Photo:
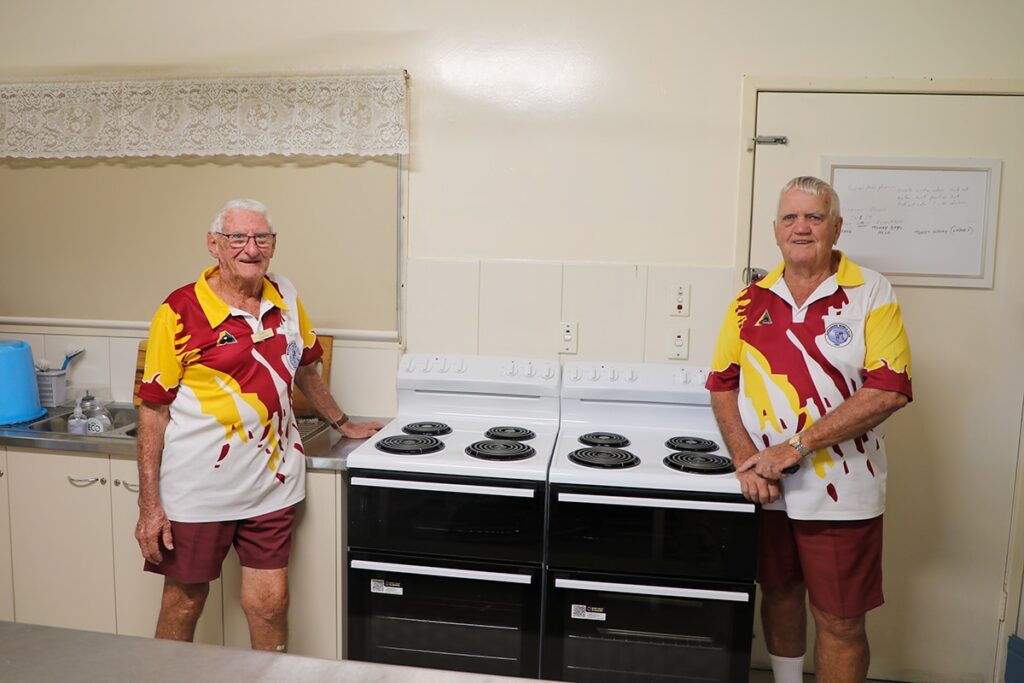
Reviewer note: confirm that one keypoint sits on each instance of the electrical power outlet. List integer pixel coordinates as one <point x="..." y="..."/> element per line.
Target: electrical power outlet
<point x="679" y="303"/>
<point x="569" y="336"/>
<point x="679" y="344"/>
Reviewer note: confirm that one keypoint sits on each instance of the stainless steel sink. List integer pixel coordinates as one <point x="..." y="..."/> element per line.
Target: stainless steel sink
<point x="123" y="416"/>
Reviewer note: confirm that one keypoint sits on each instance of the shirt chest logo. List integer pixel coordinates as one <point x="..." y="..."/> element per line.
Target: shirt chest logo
<point x="294" y="354"/>
<point x="765" y="319"/>
<point x="838" y="334"/>
<point x="226" y="338"/>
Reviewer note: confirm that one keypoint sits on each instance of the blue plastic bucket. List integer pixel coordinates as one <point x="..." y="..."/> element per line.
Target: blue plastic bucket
<point x="19" y="395"/>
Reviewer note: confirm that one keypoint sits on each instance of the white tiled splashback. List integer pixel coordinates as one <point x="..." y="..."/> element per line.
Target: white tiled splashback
<point x="512" y="308"/>
<point x="106" y="366"/>
<point x="362" y="379"/>
<point x="516" y="308"/>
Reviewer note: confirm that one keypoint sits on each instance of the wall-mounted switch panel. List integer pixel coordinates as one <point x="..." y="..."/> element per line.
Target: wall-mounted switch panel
<point x="679" y="304"/>
<point x="570" y="333"/>
<point x="679" y="344"/>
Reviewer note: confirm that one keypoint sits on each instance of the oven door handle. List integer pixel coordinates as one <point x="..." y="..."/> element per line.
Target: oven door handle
<point x="447" y="488"/>
<point x="641" y="589"/>
<point x="633" y="501"/>
<point x="445" y="572"/>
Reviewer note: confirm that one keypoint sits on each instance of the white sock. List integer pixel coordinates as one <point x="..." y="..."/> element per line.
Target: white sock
<point x="787" y="669"/>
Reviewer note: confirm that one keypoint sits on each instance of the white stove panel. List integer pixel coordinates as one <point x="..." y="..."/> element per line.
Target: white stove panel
<point x="651" y="473"/>
<point x="453" y="460"/>
<point x="647" y="403"/>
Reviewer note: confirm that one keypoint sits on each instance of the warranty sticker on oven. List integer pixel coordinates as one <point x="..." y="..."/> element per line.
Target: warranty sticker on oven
<point x="385" y="587"/>
<point x="585" y="612"/>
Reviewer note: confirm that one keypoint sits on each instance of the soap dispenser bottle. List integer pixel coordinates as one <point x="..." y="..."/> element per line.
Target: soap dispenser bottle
<point x="97" y="418"/>
<point x="76" y="423"/>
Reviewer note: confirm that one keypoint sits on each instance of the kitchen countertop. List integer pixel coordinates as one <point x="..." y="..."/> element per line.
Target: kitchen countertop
<point x="37" y="654"/>
<point x="327" y="450"/>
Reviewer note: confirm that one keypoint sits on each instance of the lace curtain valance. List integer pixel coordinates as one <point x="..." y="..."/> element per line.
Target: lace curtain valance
<point x="290" y="115"/>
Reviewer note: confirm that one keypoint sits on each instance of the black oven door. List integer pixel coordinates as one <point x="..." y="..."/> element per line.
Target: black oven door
<point x="711" y="536"/>
<point x="476" y="617"/>
<point x="472" y="518"/>
<point x="608" y="628"/>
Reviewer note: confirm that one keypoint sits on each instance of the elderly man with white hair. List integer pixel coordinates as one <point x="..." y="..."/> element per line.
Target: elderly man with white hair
<point x="809" y="362"/>
<point x="219" y="454"/>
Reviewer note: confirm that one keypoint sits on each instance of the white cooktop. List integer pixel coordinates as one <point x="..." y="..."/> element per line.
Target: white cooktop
<point x="470" y="394"/>
<point x="648" y="403"/>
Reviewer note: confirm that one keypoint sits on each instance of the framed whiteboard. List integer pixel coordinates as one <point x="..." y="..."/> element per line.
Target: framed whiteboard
<point x="929" y="222"/>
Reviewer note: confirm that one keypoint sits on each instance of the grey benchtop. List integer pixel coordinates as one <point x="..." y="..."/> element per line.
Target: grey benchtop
<point x="327" y="450"/>
<point x="38" y="654"/>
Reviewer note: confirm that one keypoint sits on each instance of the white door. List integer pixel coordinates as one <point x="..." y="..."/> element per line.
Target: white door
<point x="953" y="451"/>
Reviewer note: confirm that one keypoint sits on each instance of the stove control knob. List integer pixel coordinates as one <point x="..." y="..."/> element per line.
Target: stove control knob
<point x="631" y="376"/>
<point x="702" y="376"/>
<point x="510" y="369"/>
<point x="682" y="377"/>
<point x="595" y="373"/>
<point x="575" y="374"/>
<point x="530" y="370"/>
<point x="612" y="374"/>
<point x="409" y="364"/>
<point x="427" y="364"/>
<point x="444" y="365"/>
<point x="549" y="372"/>
<point x="460" y="366"/>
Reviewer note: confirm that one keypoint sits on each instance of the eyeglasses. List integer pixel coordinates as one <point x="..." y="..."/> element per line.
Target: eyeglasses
<point x="239" y="240"/>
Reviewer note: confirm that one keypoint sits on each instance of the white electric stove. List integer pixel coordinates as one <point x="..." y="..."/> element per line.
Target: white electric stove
<point x="640" y="425"/>
<point x="651" y="547"/>
<point x="446" y="512"/>
<point x="476" y="416"/>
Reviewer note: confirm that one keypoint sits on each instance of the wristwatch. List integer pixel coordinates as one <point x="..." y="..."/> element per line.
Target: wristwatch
<point x="796" y="443"/>
<point x="337" y="423"/>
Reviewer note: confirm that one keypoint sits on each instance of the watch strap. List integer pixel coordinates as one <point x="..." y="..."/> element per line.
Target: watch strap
<point x="796" y="443"/>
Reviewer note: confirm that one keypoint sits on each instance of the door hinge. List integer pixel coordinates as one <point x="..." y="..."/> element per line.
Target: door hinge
<point x="771" y="140"/>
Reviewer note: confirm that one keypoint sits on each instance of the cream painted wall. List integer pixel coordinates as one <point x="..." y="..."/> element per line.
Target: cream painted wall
<point x="570" y="131"/>
<point x="582" y="129"/>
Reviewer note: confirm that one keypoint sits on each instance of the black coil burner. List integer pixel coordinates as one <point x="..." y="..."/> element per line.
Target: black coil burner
<point x="509" y="433"/>
<point x="414" y="444"/>
<point x="427" y="428"/>
<point x="699" y="463"/>
<point x="604" y="458"/>
<point x="500" y="450"/>
<point x="607" y="439"/>
<point x="691" y="443"/>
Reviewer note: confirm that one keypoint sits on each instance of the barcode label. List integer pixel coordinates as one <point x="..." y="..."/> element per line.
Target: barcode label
<point x="385" y="587"/>
<point x="585" y="612"/>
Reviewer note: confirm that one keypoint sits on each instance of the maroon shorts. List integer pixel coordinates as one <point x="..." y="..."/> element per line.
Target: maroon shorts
<point x="840" y="562"/>
<point x="262" y="542"/>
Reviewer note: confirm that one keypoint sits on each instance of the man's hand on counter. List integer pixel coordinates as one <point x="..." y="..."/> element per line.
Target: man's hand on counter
<point x="360" y="430"/>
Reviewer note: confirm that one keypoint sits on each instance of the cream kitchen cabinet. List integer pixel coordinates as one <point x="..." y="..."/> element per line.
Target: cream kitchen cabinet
<point x="136" y="592"/>
<point x="314" y="571"/>
<point x="75" y="560"/>
<point x="61" y="541"/>
<point x="6" y="584"/>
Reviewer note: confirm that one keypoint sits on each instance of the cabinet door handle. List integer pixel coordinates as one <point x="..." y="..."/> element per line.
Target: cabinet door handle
<point x="81" y="483"/>
<point x="134" y="488"/>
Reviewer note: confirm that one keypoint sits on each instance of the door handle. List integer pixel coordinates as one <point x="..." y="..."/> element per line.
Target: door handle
<point x="633" y="501"/>
<point x="443" y="572"/>
<point x="642" y="589"/>
<point x="447" y="488"/>
<point x="82" y="483"/>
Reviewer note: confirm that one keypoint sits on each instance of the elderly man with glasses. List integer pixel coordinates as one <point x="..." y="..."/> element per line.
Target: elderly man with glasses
<point x="219" y="454"/>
